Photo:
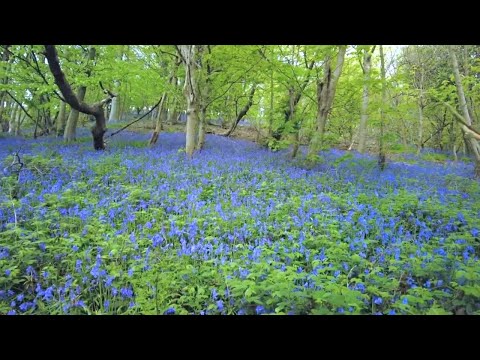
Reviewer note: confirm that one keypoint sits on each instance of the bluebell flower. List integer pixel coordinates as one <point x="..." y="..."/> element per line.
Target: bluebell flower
<point x="405" y="300"/>
<point x="126" y="292"/>
<point x="220" y="305"/>
<point x="11" y="312"/>
<point x="377" y="300"/>
<point x="30" y="271"/>
<point x="106" y="304"/>
<point x="259" y="310"/>
<point x="78" y="265"/>
<point x="169" y="311"/>
<point x="8" y="272"/>
<point x="4" y="253"/>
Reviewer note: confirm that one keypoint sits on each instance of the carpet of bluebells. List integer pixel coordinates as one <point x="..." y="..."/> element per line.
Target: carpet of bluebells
<point x="236" y="230"/>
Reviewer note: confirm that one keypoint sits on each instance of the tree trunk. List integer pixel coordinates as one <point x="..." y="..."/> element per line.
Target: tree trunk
<point x="4" y="81"/>
<point x="70" y="133"/>
<point x="99" y="130"/>
<point x="201" y="129"/>
<point x="71" y="127"/>
<point x="13" y="116"/>
<point x="3" y="119"/>
<point x="16" y="123"/>
<point x="420" y="122"/>
<point x="97" y="109"/>
<point x="381" y="152"/>
<point x="61" y="118"/>
<point x="270" y="118"/>
<point x="243" y="112"/>
<point x="191" y="96"/>
<point x="115" y="109"/>
<point x="473" y="143"/>
<point x="362" y="131"/>
<point x="161" y="108"/>
<point x="325" y="95"/>
<point x="158" y="126"/>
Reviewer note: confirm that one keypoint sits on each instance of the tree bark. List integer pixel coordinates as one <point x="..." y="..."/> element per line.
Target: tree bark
<point x="158" y="126"/>
<point x="13" y="116"/>
<point x="362" y="131"/>
<point x="70" y="133"/>
<point x="61" y="118"/>
<point x="243" y="112"/>
<point x="270" y="118"/>
<point x="201" y="128"/>
<point x="71" y="127"/>
<point x="473" y="143"/>
<point x="420" y="120"/>
<point x="96" y="109"/>
<point x="160" y="109"/>
<point x="115" y="109"/>
<point x="190" y="89"/>
<point x="4" y="81"/>
<point x="381" y="152"/>
<point x="326" y="89"/>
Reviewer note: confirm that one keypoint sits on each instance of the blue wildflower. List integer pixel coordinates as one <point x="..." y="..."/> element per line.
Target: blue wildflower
<point x="169" y="311"/>
<point x="377" y="300"/>
<point x="260" y="310"/>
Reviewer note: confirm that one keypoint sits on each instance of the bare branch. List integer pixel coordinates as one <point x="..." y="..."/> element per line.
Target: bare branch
<point x="136" y="120"/>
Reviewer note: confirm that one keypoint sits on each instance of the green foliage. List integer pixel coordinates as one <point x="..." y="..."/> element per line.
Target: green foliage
<point x="435" y="157"/>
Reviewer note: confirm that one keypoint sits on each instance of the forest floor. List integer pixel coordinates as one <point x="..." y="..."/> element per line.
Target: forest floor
<point x="238" y="229"/>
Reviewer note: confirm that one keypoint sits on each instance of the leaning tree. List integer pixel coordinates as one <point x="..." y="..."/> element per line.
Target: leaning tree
<point x="96" y="109"/>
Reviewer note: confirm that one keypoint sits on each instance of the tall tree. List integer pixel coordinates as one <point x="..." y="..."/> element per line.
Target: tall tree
<point x="381" y="151"/>
<point x="469" y="135"/>
<point x="366" y="67"/>
<point x="71" y="126"/>
<point x="115" y="109"/>
<point x="96" y="109"/>
<point x="326" y="88"/>
<point x="188" y="55"/>
<point x="61" y="118"/>
<point x="4" y="65"/>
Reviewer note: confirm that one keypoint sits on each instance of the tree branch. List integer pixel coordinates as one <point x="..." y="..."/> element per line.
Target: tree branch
<point x="20" y="104"/>
<point x="65" y="88"/>
<point x="461" y="120"/>
<point x="136" y="120"/>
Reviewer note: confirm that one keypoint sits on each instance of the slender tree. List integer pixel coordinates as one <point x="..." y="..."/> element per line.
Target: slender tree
<point x="326" y="88"/>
